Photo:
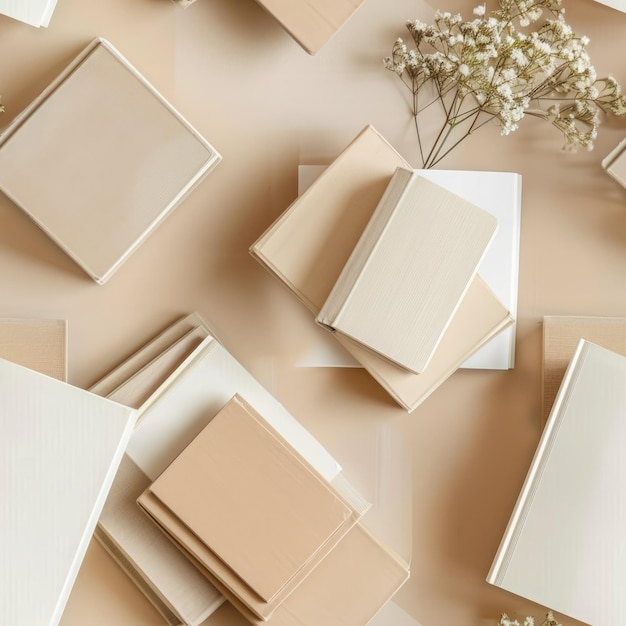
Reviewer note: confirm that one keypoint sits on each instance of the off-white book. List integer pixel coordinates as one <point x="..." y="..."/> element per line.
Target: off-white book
<point x="60" y="447"/>
<point x="615" y="162"/>
<point x="33" y="12"/>
<point x="409" y="271"/>
<point x="619" y="5"/>
<point x="561" y="334"/>
<point x="97" y="206"/>
<point x="37" y="344"/>
<point x="565" y="539"/>
<point x="311" y="22"/>
<point x="308" y="245"/>
<point x="499" y="193"/>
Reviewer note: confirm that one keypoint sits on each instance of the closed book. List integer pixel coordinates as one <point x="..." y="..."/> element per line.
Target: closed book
<point x="565" y="539"/>
<point x="409" y="270"/>
<point x="561" y="334"/>
<point x="311" y="22"/>
<point x="38" y="344"/>
<point x="615" y="162"/>
<point x="34" y="12"/>
<point x="111" y="156"/>
<point x="60" y="447"/>
<point x="309" y="244"/>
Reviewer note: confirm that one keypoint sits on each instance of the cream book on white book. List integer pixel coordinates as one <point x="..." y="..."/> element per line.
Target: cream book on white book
<point x="60" y="447"/>
<point x="564" y="545"/>
<point x="409" y="271"/>
<point x="34" y="12"/>
<point x="499" y="193"/>
<point x="97" y="206"/>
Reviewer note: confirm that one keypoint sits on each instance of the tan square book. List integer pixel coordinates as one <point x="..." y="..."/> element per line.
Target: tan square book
<point x="311" y="22"/>
<point x="409" y="270"/>
<point x="40" y="345"/>
<point x="277" y="518"/>
<point x="615" y="163"/>
<point x="561" y="334"/>
<point x="111" y="156"/>
<point x="310" y="243"/>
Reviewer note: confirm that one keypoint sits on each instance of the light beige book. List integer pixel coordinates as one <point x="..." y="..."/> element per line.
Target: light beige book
<point x="561" y="334"/>
<point x="615" y="162"/>
<point x="409" y="270"/>
<point x="112" y="159"/>
<point x="565" y="539"/>
<point x="277" y="518"/>
<point x="311" y="22"/>
<point x="309" y="244"/>
<point x="37" y="344"/>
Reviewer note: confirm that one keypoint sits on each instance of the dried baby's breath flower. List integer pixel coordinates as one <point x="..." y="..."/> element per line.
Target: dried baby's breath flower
<point x="528" y="621"/>
<point x="495" y="67"/>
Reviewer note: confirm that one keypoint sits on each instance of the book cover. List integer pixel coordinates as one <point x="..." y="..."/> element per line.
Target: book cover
<point x="308" y="245"/>
<point x="499" y="193"/>
<point x="564" y="539"/>
<point x="34" y="12"/>
<point x="561" y="334"/>
<point x="615" y="162"/>
<point x="37" y="344"/>
<point x="409" y="271"/>
<point x="60" y="447"/>
<point x="97" y="206"/>
<point x="311" y="22"/>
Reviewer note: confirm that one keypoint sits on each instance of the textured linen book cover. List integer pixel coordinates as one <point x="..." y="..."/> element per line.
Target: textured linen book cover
<point x="311" y="22"/>
<point x="33" y="12"/>
<point x="499" y="193"/>
<point x="60" y="447"/>
<point x="308" y="245"/>
<point x="37" y="344"/>
<point x="409" y="270"/>
<point x="561" y="334"/>
<point x="97" y="206"/>
<point x="565" y="540"/>
<point x="277" y="518"/>
<point x="615" y="162"/>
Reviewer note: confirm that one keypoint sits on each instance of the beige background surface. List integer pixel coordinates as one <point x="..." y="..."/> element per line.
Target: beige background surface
<point x="266" y="106"/>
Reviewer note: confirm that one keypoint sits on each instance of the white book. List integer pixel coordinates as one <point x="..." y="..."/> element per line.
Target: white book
<point x="60" y="447"/>
<point x="499" y="193"/>
<point x="564" y="545"/>
<point x="111" y="156"/>
<point x="409" y="271"/>
<point x="33" y="12"/>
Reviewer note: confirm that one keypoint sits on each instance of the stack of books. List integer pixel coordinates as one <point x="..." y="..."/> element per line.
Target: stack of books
<point x="388" y="259"/>
<point x="615" y="162"/>
<point x="564" y="542"/>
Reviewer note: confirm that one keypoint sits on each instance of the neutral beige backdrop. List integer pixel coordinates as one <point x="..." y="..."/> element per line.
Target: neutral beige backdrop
<point x="267" y="106"/>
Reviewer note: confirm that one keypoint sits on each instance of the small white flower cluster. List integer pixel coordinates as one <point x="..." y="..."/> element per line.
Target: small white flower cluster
<point x="494" y="66"/>
<point x="529" y="621"/>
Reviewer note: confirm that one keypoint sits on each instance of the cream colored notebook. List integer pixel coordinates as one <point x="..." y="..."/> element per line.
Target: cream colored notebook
<point x="277" y="518"/>
<point x="561" y="335"/>
<point x="309" y="244"/>
<point x="34" y="12"/>
<point x="37" y="344"/>
<point x="112" y="159"/>
<point x="564" y="544"/>
<point x="409" y="270"/>
<point x="615" y="162"/>
<point x="311" y="22"/>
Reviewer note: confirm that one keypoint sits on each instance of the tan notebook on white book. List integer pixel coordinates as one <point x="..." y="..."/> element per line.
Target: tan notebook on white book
<point x="111" y="156"/>
<point x="564" y="545"/>
<point x="309" y="244"/>
<point x="409" y="271"/>
<point x="561" y="334"/>
<point x="615" y="162"/>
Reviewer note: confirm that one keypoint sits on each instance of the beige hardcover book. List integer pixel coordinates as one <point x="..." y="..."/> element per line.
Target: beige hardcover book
<point x="561" y="334"/>
<point x="409" y="270"/>
<point x="615" y="163"/>
<point x="309" y="244"/>
<point x="37" y="344"/>
<point x="311" y="22"/>
<point x="565" y="539"/>
<point x="277" y="517"/>
<point x="112" y="159"/>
